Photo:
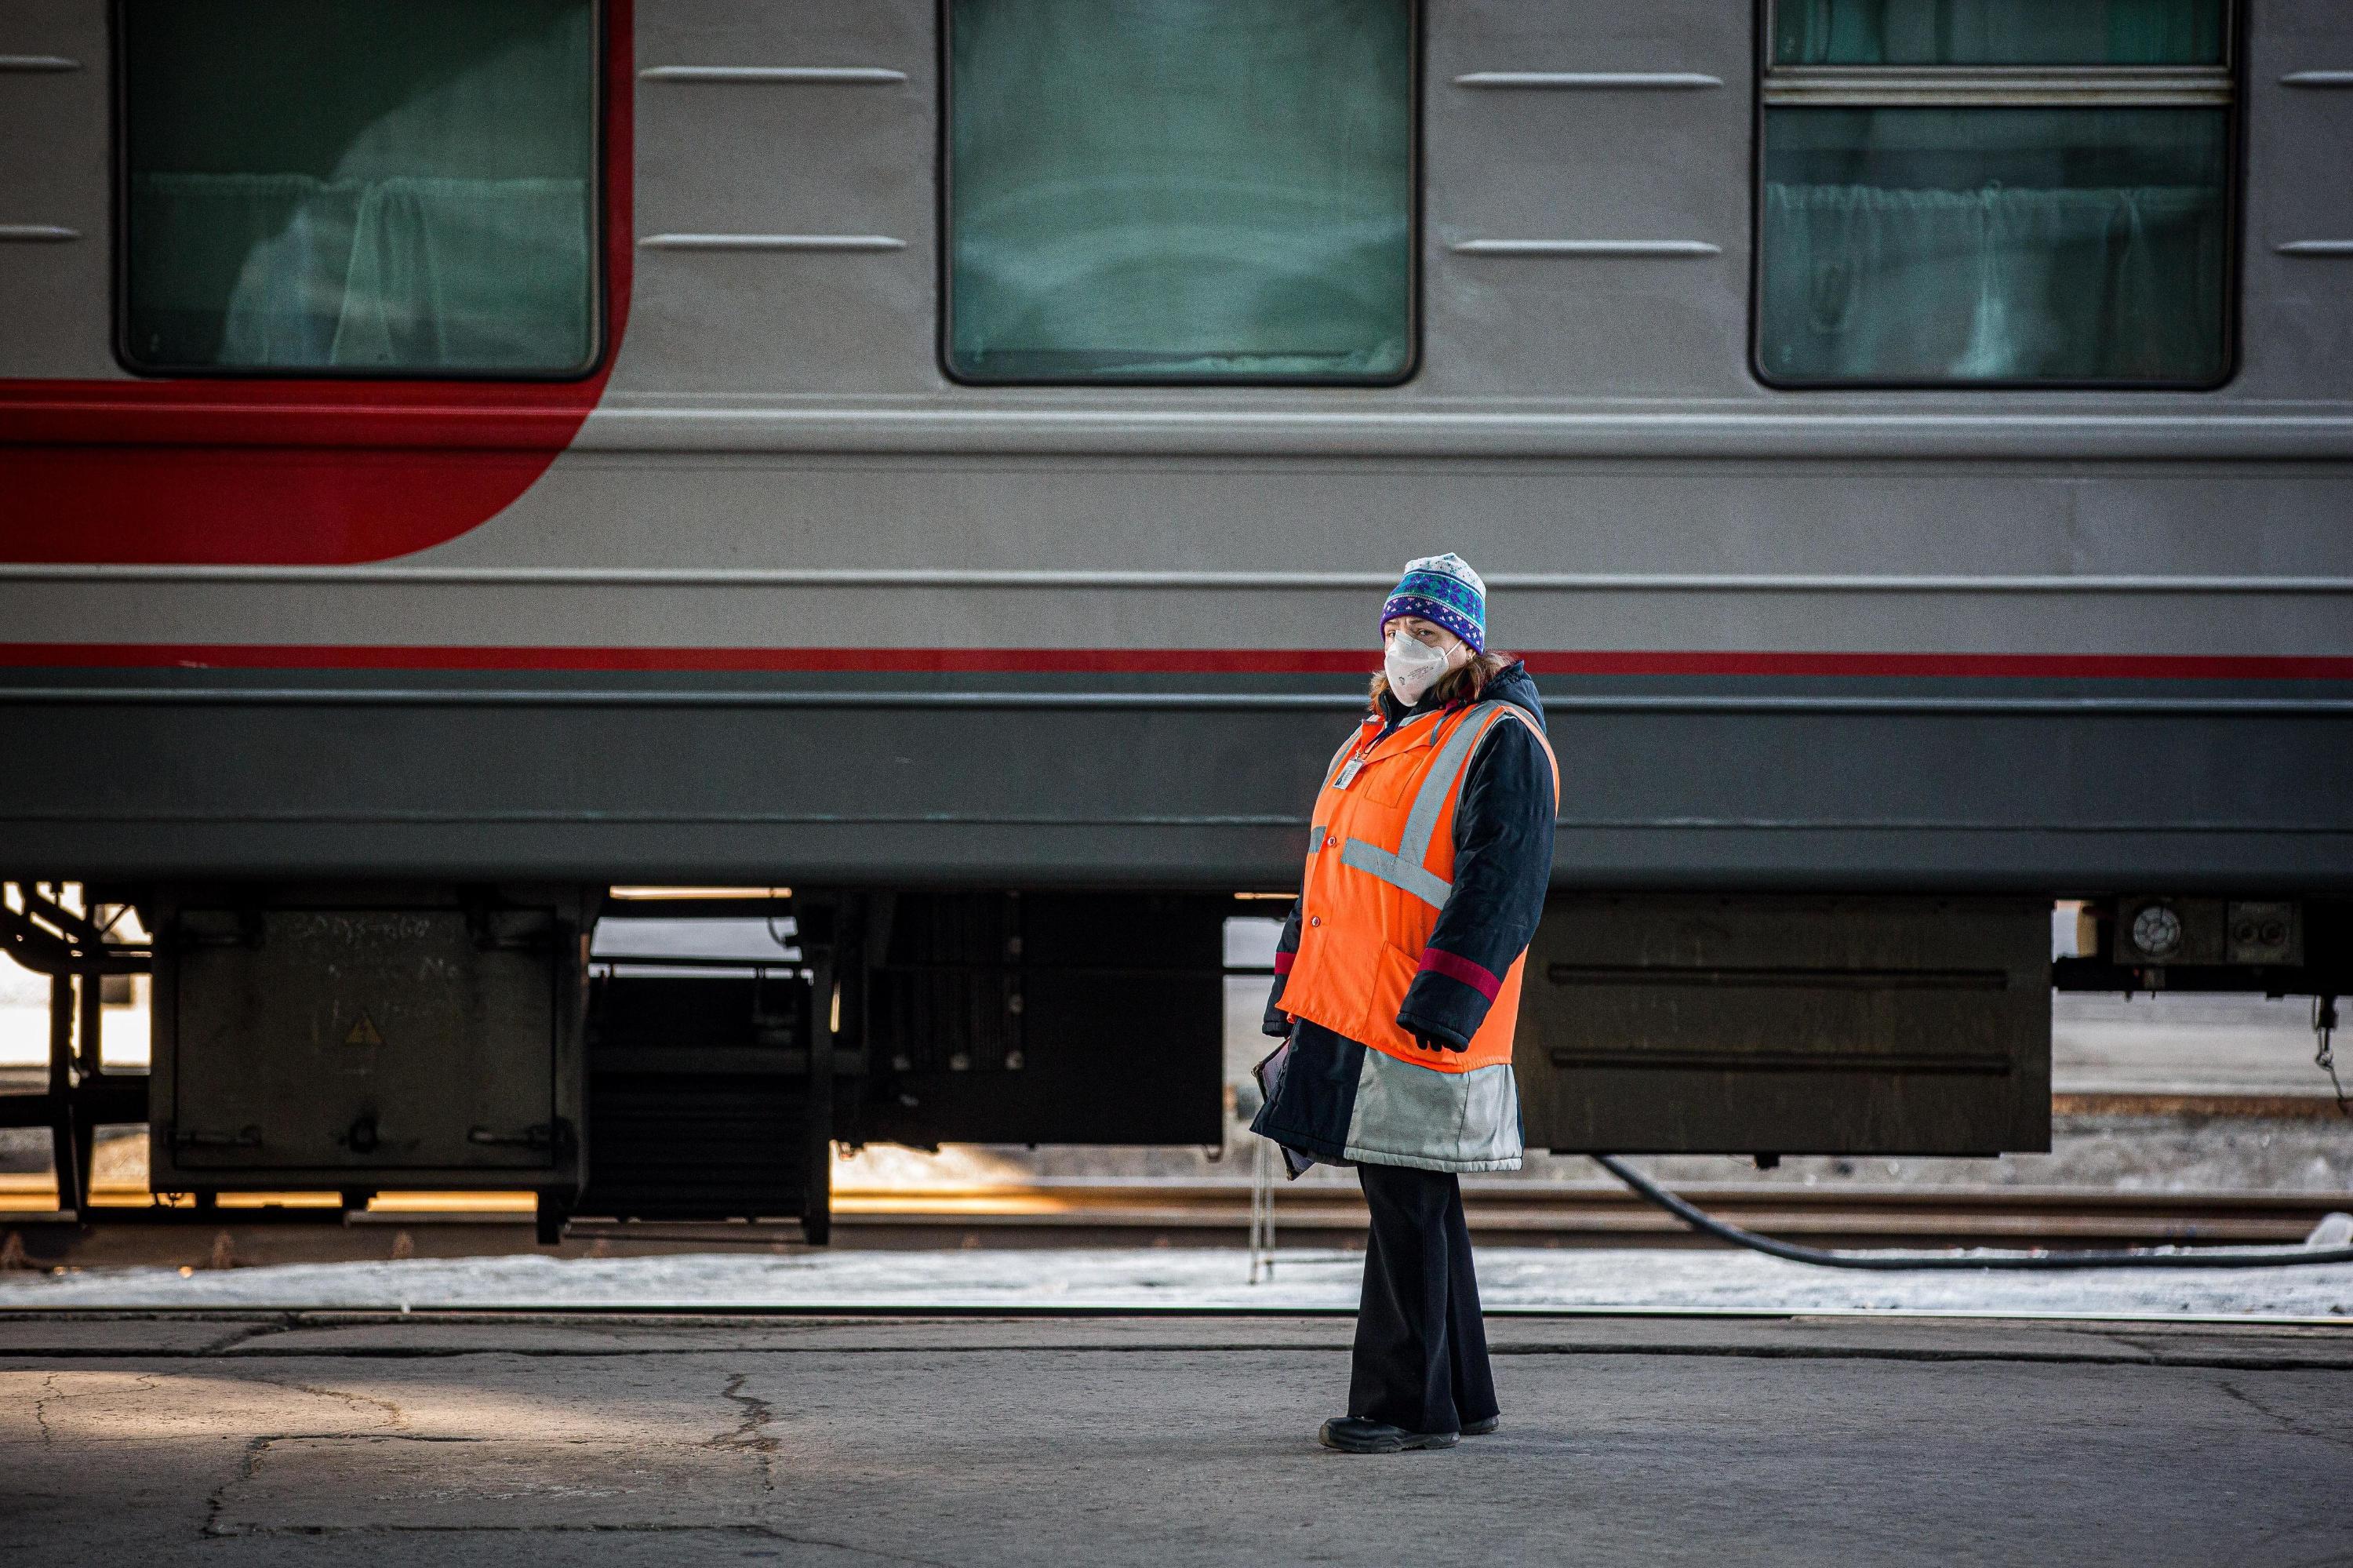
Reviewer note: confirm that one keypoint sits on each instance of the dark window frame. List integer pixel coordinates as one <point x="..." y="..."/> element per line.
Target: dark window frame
<point x="2232" y="71"/>
<point x="944" y="225"/>
<point x="600" y="44"/>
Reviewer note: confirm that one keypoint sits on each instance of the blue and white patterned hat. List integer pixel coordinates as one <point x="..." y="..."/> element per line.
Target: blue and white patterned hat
<point x="1445" y="589"/>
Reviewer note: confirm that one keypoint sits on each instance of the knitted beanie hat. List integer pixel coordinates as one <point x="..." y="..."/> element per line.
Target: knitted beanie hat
<point x="1445" y="589"/>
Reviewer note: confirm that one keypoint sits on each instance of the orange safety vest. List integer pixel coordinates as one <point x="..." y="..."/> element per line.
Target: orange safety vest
<point x="1380" y="865"/>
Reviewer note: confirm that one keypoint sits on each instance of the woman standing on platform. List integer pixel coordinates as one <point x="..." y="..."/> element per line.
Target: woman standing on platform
<point x="1396" y="987"/>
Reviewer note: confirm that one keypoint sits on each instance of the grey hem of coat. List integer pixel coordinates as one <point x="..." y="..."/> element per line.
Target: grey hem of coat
<point x="1408" y="1114"/>
<point x="1422" y="1162"/>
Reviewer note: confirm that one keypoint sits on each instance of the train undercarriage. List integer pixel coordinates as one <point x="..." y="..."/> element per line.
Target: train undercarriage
<point x="591" y="1045"/>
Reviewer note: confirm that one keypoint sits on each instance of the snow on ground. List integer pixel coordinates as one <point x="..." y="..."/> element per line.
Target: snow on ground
<point x="1511" y="1279"/>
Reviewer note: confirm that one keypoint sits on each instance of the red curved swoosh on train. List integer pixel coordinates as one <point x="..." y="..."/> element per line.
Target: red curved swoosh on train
<point x="318" y="472"/>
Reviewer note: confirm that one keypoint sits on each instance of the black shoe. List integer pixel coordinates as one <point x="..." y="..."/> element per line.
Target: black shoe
<point x="1355" y="1434"/>
<point x="1481" y="1428"/>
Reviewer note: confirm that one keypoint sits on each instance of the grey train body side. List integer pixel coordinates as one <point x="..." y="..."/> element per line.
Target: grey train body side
<point x="780" y="461"/>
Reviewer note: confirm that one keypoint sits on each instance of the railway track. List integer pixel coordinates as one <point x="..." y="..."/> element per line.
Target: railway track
<point x="306" y="1228"/>
<point x="126" y="1227"/>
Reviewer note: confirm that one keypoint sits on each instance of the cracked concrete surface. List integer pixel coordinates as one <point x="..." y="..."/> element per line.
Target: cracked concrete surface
<point x="2340" y="1436"/>
<point x="1166" y="1442"/>
<point x="41" y="1410"/>
<point x="399" y="1416"/>
<point x="751" y="1434"/>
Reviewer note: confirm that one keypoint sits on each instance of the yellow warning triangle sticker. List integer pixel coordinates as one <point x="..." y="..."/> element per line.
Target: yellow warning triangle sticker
<point x="365" y="1032"/>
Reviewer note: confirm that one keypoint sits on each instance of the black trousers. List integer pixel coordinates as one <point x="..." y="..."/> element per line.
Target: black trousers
<point x="1422" y="1350"/>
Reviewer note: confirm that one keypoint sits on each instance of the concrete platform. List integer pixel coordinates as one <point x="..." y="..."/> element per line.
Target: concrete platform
<point x="519" y="1439"/>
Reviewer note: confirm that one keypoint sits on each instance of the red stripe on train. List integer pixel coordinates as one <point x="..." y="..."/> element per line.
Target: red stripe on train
<point x="231" y="471"/>
<point x="1155" y="660"/>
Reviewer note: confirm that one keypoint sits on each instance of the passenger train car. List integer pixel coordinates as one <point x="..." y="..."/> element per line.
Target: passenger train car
<point x="934" y="466"/>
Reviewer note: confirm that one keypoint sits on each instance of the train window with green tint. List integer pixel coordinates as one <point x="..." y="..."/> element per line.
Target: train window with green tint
<point x="1180" y="190"/>
<point x="366" y="187"/>
<point x="1997" y="193"/>
<point x="1998" y="32"/>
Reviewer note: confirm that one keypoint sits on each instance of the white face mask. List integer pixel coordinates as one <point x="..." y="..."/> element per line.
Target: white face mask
<point x="1412" y="667"/>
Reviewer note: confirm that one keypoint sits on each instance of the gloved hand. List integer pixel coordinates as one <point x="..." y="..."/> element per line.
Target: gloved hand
<point x="1437" y="1042"/>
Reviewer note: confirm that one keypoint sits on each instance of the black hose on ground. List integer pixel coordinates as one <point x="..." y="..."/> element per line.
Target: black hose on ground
<point x="2137" y="1258"/>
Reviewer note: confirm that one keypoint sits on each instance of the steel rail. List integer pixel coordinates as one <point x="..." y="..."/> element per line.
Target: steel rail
<point x="1118" y="1213"/>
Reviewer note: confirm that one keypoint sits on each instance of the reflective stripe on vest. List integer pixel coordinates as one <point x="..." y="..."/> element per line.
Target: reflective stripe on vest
<point x="1346" y="767"/>
<point x="1340" y="760"/>
<point x="1403" y="867"/>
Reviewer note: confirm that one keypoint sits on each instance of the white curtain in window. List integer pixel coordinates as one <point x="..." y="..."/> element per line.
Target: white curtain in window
<point x="401" y="272"/>
<point x="2096" y="285"/>
<point x="451" y="234"/>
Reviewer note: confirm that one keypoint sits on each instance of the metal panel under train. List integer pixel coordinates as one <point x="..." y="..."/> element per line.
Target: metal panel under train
<point x="364" y="1040"/>
<point x="1036" y="1017"/>
<point x="1831" y="1025"/>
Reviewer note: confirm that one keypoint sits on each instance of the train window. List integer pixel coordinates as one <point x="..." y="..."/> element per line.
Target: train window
<point x="1996" y="192"/>
<point x="1221" y="190"/>
<point x="1998" y="32"/>
<point x="390" y="187"/>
